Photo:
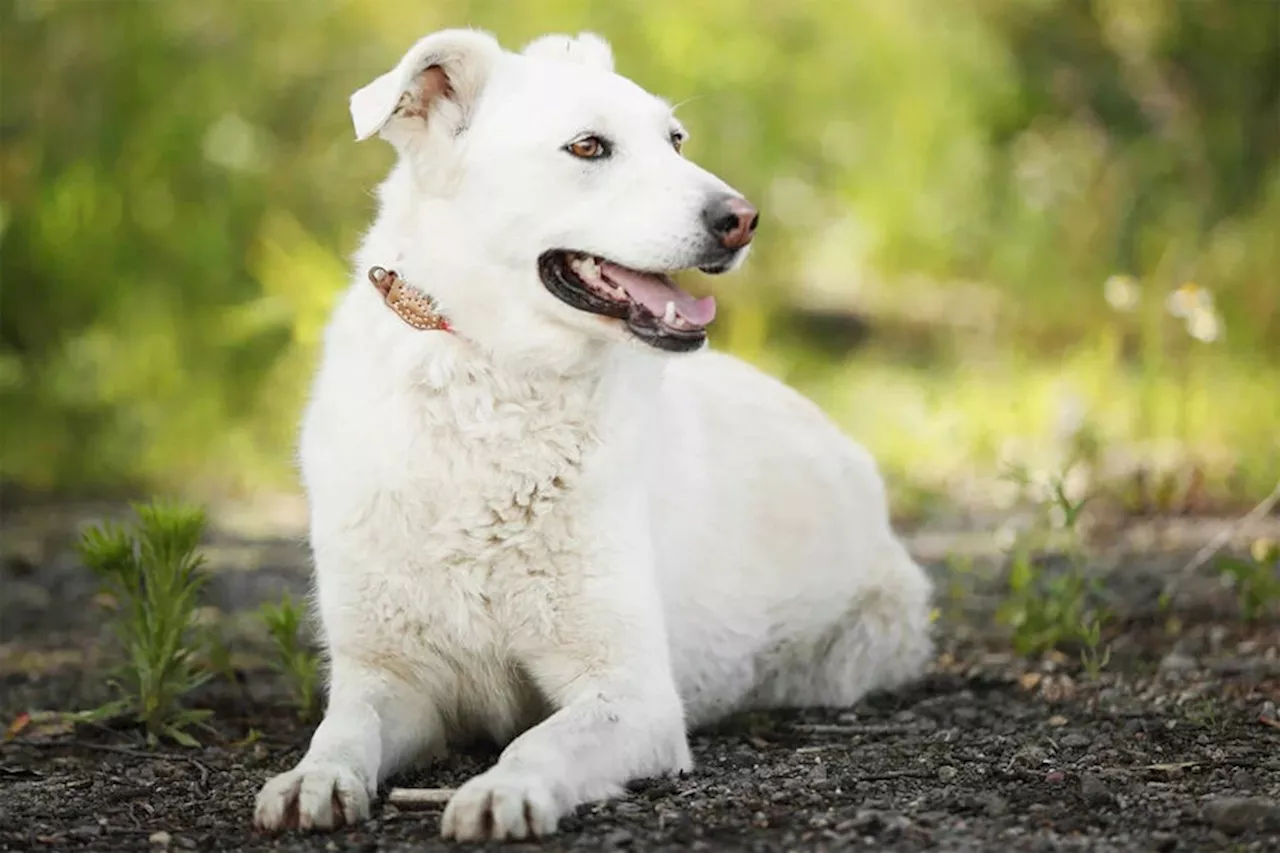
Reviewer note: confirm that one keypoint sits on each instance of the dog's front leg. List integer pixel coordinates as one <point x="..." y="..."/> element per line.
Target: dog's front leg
<point x="373" y="725"/>
<point x="619" y="718"/>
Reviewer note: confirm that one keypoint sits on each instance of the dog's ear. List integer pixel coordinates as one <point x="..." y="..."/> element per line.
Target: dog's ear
<point x="586" y="49"/>
<point x="440" y="78"/>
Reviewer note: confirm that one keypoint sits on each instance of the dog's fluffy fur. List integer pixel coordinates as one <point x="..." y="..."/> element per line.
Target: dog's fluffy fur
<point x="538" y="529"/>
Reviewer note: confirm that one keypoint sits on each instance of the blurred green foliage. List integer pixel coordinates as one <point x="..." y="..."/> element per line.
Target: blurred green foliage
<point x="181" y="190"/>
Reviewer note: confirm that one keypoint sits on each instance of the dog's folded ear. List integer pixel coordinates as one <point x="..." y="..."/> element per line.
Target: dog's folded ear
<point x="439" y="78"/>
<point x="586" y="49"/>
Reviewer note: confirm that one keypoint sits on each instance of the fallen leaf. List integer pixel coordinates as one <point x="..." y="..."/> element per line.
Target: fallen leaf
<point x="19" y="723"/>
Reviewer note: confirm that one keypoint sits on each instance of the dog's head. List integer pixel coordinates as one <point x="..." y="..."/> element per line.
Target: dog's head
<point x="550" y="191"/>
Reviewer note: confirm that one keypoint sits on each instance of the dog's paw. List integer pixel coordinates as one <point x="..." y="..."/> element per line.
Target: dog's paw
<point x="319" y="796"/>
<point x="499" y="805"/>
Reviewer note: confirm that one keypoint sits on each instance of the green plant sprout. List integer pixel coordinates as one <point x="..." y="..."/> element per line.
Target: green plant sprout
<point x="153" y="571"/>
<point x="294" y="659"/>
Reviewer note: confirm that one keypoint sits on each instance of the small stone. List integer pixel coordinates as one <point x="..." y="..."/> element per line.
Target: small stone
<point x="1075" y="740"/>
<point x="1057" y="721"/>
<point x="869" y="822"/>
<point x="1241" y="780"/>
<point x="160" y="839"/>
<point x="1094" y="791"/>
<point x="946" y="773"/>
<point x="1177" y="662"/>
<point x="1237" y="815"/>
<point x="995" y="805"/>
<point x="618" y="838"/>
<point x="1267" y="713"/>
<point x="1054" y="777"/>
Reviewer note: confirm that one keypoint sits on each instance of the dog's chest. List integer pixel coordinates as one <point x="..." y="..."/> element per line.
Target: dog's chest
<point x="466" y="506"/>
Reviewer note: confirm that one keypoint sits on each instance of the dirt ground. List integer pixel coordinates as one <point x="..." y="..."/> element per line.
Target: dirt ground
<point x="1176" y="747"/>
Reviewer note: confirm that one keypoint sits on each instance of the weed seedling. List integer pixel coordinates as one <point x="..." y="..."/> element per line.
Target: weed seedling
<point x="1256" y="579"/>
<point x="294" y="660"/>
<point x="1048" y="611"/>
<point x="153" y="572"/>
<point x="1093" y="661"/>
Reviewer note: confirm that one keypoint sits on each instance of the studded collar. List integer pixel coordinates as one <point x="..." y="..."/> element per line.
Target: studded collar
<point x="408" y="303"/>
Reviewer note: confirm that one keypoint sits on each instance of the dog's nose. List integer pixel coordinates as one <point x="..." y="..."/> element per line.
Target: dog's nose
<point x="732" y="219"/>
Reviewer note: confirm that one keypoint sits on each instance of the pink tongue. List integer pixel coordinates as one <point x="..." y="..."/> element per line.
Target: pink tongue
<point x="655" y="291"/>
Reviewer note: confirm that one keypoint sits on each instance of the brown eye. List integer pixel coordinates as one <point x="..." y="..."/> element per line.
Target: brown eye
<point x="677" y="142"/>
<point x="588" y="148"/>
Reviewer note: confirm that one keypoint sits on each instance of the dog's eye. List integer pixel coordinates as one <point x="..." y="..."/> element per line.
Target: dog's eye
<point x="677" y="141"/>
<point x="588" y="148"/>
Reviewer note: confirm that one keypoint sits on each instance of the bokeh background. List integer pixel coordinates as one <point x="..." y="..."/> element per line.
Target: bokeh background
<point x="995" y="231"/>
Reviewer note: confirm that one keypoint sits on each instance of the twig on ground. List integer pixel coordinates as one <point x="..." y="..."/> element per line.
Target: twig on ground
<point x="412" y="798"/>
<point x="849" y="729"/>
<point x="892" y="774"/>
<point x="1224" y="536"/>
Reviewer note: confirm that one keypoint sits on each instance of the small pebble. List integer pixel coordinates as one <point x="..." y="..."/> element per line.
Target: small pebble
<point x="1075" y="740"/>
<point x="1177" y="662"/>
<point x="869" y="822"/>
<point x="946" y="773"/>
<point x="1267" y="711"/>
<point x="160" y="839"/>
<point x="995" y="805"/>
<point x="1093" y="790"/>
<point x="1241" y="780"/>
<point x="618" y="838"/>
<point x="1237" y="815"/>
<point x="1053" y="777"/>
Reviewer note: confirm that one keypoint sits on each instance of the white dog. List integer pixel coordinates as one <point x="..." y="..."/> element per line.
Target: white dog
<point x="530" y="521"/>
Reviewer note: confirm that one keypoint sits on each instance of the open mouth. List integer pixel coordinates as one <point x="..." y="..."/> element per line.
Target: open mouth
<point x="654" y="308"/>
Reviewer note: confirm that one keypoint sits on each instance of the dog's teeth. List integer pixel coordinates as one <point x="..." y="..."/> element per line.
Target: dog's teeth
<point x="589" y="268"/>
<point x="669" y="316"/>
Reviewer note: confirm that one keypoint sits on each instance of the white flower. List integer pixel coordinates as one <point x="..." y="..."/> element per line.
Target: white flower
<point x="1204" y="326"/>
<point x="1121" y="292"/>
<point x="1189" y="299"/>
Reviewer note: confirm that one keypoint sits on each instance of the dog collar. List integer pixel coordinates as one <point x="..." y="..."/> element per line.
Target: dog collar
<point x="409" y="304"/>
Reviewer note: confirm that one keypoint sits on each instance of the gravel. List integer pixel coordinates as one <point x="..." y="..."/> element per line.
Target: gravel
<point x="1175" y="747"/>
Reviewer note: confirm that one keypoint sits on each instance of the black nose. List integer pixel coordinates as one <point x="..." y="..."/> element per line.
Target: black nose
<point x="732" y="219"/>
